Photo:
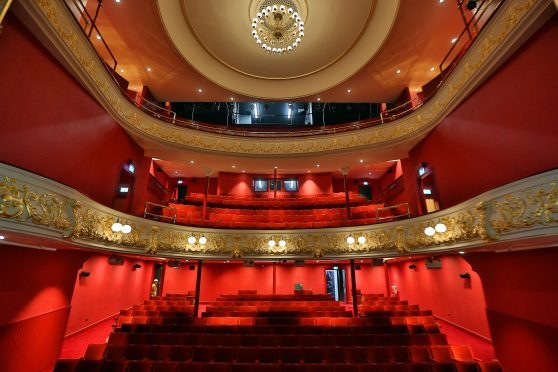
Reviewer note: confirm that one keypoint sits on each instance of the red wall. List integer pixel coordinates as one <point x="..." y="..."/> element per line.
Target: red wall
<point x="227" y="278"/>
<point x="506" y="130"/>
<point x="53" y="127"/>
<point x="450" y="297"/>
<point x="107" y="290"/>
<point x="197" y="185"/>
<point x="521" y="297"/>
<point x="36" y="290"/>
<point x="241" y="183"/>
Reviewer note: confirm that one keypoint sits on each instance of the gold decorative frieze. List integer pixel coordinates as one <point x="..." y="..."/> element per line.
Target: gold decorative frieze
<point x="479" y="60"/>
<point x="34" y="204"/>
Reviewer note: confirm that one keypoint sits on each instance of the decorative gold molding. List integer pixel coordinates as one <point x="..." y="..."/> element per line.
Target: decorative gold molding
<point x="32" y="203"/>
<point x="488" y="50"/>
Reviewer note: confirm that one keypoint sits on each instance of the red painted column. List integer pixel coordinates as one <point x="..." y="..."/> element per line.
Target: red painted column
<point x="274" y="277"/>
<point x="345" y="171"/>
<point x="205" y="192"/>
<point x="275" y="183"/>
<point x="198" y="287"/>
<point x="354" y="289"/>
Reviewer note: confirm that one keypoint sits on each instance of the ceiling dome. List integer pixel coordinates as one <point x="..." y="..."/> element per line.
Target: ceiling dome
<point x="215" y="37"/>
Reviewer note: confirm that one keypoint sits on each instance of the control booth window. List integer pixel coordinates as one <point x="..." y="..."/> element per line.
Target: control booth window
<point x="272" y="184"/>
<point x="260" y="184"/>
<point x="291" y="184"/>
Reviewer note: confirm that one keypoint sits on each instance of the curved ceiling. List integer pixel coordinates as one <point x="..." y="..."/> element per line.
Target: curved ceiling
<point x="339" y="40"/>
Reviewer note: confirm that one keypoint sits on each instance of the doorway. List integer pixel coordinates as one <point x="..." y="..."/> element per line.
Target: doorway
<point x="335" y="283"/>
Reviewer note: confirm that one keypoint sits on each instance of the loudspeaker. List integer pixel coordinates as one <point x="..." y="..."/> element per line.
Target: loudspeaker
<point x="136" y="266"/>
<point x="84" y="274"/>
<point x="174" y="264"/>
<point x="465" y="276"/>
<point x="116" y="260"/>
<point x="192" y="267"/>
<point x="357" y="267"/>
<point x="433" y="263"/>
<point x="412" y="266"/>
<point x="377" y="262"/>
<point x="299" y="263"/>
<point x="248" y="263"/>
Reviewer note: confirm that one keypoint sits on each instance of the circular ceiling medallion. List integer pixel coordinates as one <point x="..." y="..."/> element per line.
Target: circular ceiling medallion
<point x="216" y="39"/>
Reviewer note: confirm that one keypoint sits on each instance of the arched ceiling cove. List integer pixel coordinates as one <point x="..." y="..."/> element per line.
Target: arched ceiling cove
<point x="214" y="37"/>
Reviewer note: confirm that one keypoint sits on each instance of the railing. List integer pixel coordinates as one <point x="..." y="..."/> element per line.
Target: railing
<point x="473" y="26"/>
<point x="393" y="212"/>
<point x="151" y="210"/>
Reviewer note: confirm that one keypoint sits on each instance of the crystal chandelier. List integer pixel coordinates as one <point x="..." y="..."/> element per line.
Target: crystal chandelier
<point x="278" y="27"/>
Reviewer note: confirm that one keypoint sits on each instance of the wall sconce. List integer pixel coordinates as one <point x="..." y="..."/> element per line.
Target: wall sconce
<point x="439" y="228"/>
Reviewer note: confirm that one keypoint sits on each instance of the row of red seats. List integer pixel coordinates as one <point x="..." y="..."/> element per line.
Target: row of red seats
<point x="324" y="330"/>
<point x="162" y="311"/>
<point x="387" y="307"/>
<point x="273" y="340"/>
<point x="164" y="303"/>
<point x="275" y="303"/>
<point x="320" y="306"/>
<point x="274" y="225"/>
<point x="275" y="297"/>
<point x="77" y="365"/>
<point x="278" y="314"/>
<point x="279" y="354"/>
<point x="394" y="313"/>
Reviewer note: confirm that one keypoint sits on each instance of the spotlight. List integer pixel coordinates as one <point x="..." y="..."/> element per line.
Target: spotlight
<point x="350" y="239"/>
<point x="84" y="274"/>
<point x="465" y="276"/>
<point x="412" y="266"/>
<point x="471" y="4"/>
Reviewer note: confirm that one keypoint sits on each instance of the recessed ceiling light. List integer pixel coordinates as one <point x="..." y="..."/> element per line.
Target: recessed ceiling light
<point x="441" y="1"/>
<point x="432" y="69"/>
<point x="232" y="98"/>
<point x="398" y="71"/>
<point x="176" y="172"/>
<point x="319" y="99"/>
<point x="308" y="171"/>
<point x="461" y="252"/>
<point x="121" y="70"/>
<point x="98" y="37"/>
<point x="317" y="165"/>
<point x="2" y="237"/>
<point x="392" y="161"/>
<point x="348" y="91"/>
<point x="369" y="173"/>
<point x="199" y="90"/>
<point x="192" y="162"/>
<point x="117" y="1"/>
<point x="275" y="167"/>
<point x="361" y="160"/>
<point x="243" y="171"/>
<point x="234" y="166"/>
<point x="417" y="90"/>
<point x="149" y="69"/>
<point x="155" y="158"/>
<point x="453" y="41"/>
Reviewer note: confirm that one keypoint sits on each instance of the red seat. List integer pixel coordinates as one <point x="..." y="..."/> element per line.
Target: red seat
<point x="95" y="352"/>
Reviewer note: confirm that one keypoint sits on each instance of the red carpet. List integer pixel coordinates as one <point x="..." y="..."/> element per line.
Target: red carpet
<point x="481" y="349"/>
<point x="74" y="346"/>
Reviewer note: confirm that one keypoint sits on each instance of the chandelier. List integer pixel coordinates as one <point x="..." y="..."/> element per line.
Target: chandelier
<point x="277" y="27"/>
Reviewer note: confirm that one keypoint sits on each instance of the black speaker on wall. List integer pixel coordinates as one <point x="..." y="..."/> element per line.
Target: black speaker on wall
<point x="116" y="260"/>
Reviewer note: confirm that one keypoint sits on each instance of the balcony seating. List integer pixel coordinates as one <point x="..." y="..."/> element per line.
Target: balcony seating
<point x="307" y="212"/>
<point x="260" y="340"/>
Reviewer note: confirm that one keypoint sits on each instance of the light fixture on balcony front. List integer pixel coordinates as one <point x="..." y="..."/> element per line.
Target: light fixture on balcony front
<point x="361" y="239"/>
<point x="440" y="228"/>
<point x="271" y="243"/>
<point x="282" y="242"/>
<point x="429" y="231"/>
<point x="350" y="239"/>
<point x="203" y="240"/>
<point x="126" y="229"/>
<point x="191" y="239"/>
<point x="278" y="27"/>
<point x="116" y="227"/>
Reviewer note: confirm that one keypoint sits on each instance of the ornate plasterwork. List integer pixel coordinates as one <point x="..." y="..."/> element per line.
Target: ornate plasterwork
<point x="488" y="50"/>
<point x="32" y="204"/>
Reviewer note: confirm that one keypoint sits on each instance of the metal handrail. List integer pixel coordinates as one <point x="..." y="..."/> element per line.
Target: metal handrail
<point x="90" y="21"/>
<point x="147" y="214"/>
<point x="393" y="216"/>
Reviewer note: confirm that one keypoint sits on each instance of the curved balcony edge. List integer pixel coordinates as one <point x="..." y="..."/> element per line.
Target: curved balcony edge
<point x="45" y="213"/>
<point x="503" y="35"/>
